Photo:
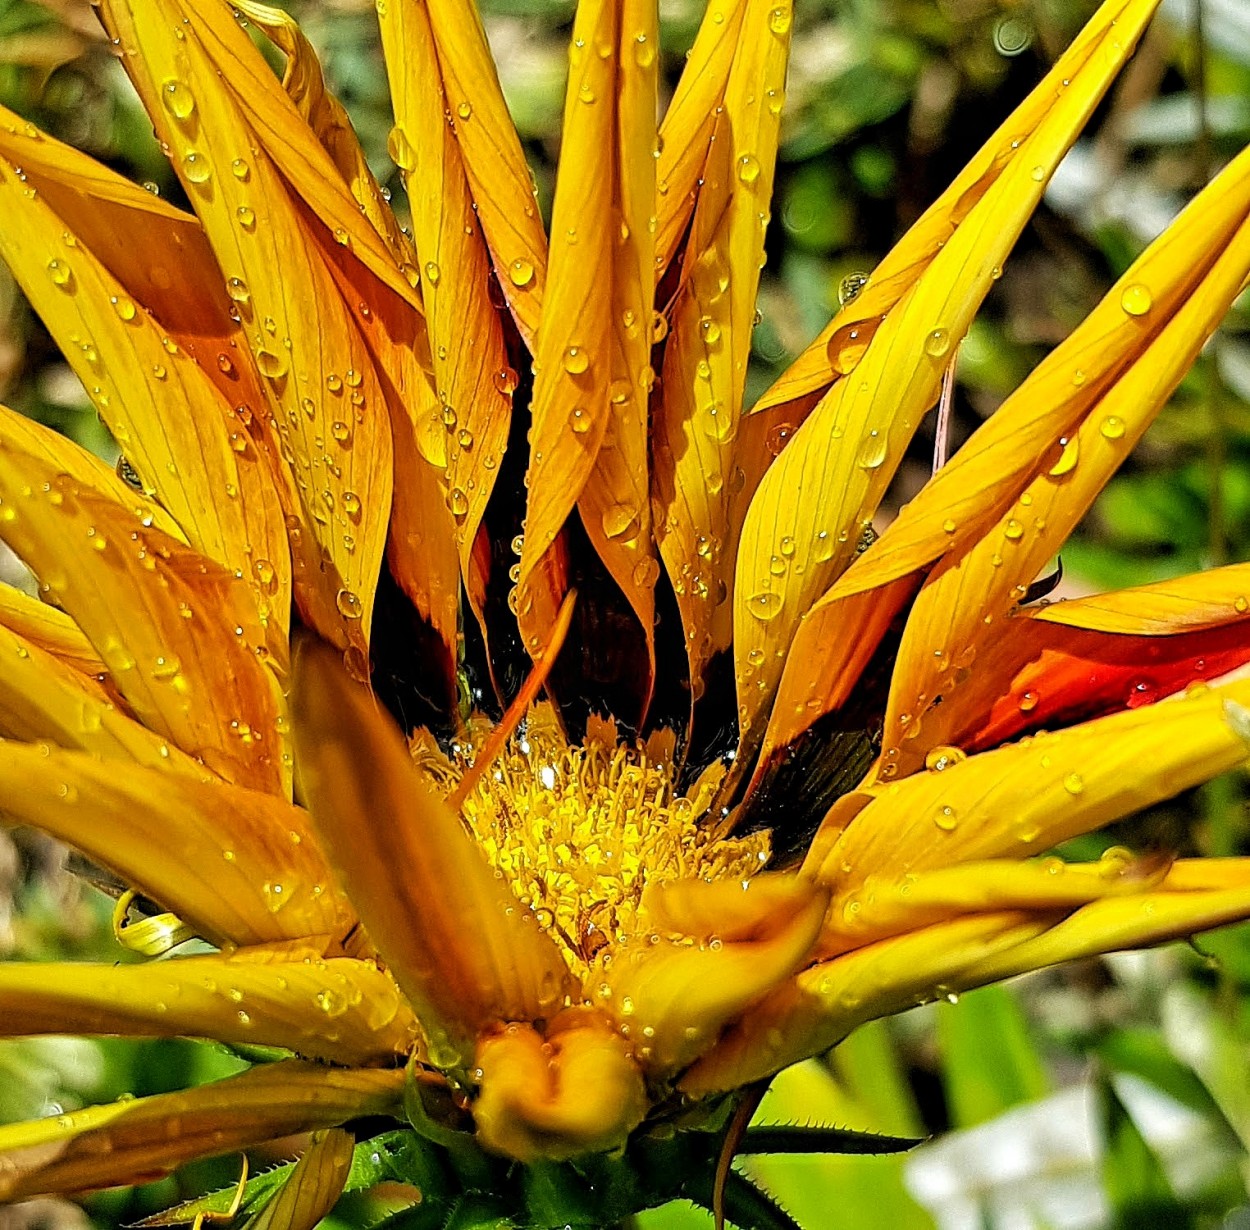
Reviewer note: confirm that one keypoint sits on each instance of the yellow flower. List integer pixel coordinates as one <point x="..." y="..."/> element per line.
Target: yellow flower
<point x="571" y="929"/>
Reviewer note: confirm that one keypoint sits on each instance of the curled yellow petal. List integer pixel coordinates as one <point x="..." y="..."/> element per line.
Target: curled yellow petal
<point x="313" y="1187"/>
<point x="465" y="951"/>
<point x="574" y="1091"/>
<point x="343" y="1011"/>
<point x="742" y="939"/>
<point x="135" y="1141"/>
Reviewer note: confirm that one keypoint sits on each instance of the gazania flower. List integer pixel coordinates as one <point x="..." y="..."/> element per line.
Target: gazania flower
<point x="569" y="930"/>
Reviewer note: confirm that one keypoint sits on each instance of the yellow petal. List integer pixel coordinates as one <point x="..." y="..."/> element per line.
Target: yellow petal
<point x="135" y="1141"/>
<point x="499" y="178"/>
<point x="818" y="367"/>
<point x="572" y="357"/>
<point x="573" y="1091"/>
<point x="179" y="634"/>
<point x="675" y="997"/>
<point x="1029" y="796"/>
<point x="958" y="612"/>
<point x="1198" y="600"/>
<point x="885" y="904"/>
<point x="342" y="1011"/>
<point x="238" y="865"/>
<point x="43" y="698"/>
<point x="473" y="381"/>
<point x="1195" y="896"/>
<point x="171" y="422"/>
<point x="819" y="1007"/>
<point x="832" y="474"/>
<point x="49" y="628"/>
<point x="704" y="473"/>
<point x="313" y="1186"/>
<point x="686" y="132"/>
<point x="327" y="118"/>
<point x="235" y="158"/>
<point x="464" y="950"/>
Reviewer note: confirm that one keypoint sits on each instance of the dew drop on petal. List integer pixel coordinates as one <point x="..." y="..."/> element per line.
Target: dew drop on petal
<point x="1136" y="299"/>
<point x="576" y="360"/>
<point x="764" y="606"/>
<point x="178" y="99"/>
<point x="196" y="168"/>
<point x="520" y="272"/>
<point x="1074" y="783"/>
<point x="1113" y="427"/>
<point x="349" y="604"/>
<point x="872" y="450"/>
<point x="400" y="149"/>
<point x="937" y="342"/>
<point x="748" y="168"/>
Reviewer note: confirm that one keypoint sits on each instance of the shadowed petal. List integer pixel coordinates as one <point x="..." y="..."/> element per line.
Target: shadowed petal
<point x="463" y="949"/>
<point x="313" y="1186"/>
<point x="136" y="1141"/>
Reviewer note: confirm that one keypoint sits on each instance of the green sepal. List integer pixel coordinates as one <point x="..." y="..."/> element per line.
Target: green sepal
<point x="788" y="1138"/>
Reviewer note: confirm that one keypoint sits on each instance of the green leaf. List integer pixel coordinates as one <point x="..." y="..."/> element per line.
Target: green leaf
<point x="785" y="1138"/>
<point x="989" y="1062"/>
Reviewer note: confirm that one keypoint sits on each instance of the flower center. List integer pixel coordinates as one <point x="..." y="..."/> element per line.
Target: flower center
<point x="579" y="832"/>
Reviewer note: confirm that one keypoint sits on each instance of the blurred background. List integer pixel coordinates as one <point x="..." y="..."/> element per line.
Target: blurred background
<point x="1112" y="1093"/>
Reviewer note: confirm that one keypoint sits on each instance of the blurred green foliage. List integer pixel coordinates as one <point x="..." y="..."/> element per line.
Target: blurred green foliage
<point x="886" y="100"/>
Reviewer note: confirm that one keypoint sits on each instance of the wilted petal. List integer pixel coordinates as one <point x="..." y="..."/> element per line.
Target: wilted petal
<point x="741" y="940"/>
<point x="343" y="1011"/>
<point x="575" y="1090"/>
<point x="136" y="1141"/>
<point x="464" y="950"/>
<point x="238" y="865"/>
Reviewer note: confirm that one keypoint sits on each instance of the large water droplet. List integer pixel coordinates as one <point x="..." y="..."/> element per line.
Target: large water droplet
<point x="196" y="168"/>
<point x="576" y="360"/>
<point x="178" y="99"/>
<point x="748" y="168"/>
<point x="1136" y="299"/>
<point x="764" y="606"/>
<point x="400" y="149"/>
<point x="349" y="604"/>
<point x="872" y="450"/>
<point x="520" y="272"/>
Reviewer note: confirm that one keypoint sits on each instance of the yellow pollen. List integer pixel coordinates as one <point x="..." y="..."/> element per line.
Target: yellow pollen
<point x="579" y="832"/>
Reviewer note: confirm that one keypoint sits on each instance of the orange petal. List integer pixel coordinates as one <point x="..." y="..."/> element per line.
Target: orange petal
<point x="342" y="1011"/>
<point x="471" y="402"/>
<point x="572" y="357"/>
<point x="313" y="1187"/>
<point x="179" y="634"/>
<point x="675" y="997"/>
<point x="171" y="422"/>
<point x="134" y="1141"/>
<point x="235" y="158"/>
<point x="238" y="865"/>
<point x="499" y="178"/>
<point x="465" y="952"/>
<point x="704" y="474"/>
<point x="833" y="473"/>
<point x="1030" y="796"/>
<point x="574" y="1091"/>
<point x="958" y="612"/>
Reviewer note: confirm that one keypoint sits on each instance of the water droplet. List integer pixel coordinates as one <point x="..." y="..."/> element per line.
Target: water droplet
<point x="400" y="149"/>
<point x="61" y="274"/>
<point x="237" y="289"/>
<point x="240" y="170"/>
<point x="872" y="450"/>
<point x="247" y="217"/>
<point x="1074" y="783"/>
<point x="264" y="571"/>
<point x="1028" y="702"/>
<point x="946" y="818"/>
<point x="458" y="502"/>
<point x="271" y="364"/>
<point x="520" y="272"/>
<point x="585" y="93"/>
<point x="579" y="420"/>
<point x="576" y="360"/>
<point x="779" y="19"/>
<point x="1013" y="529"/>
<point x="1113" y="427"/>
<point x="778" y="437"/>
<point x="644" y="51"/>
<point x="709" y="330"/>
<point x="748" y="168"/>
<point x="937" y="342"/>
<point x="432" y="273"/>
<point x="1241" y="605"/>
<point x="464" y="110"/>
<point x="195" y="167"/>
<point x="1136" y="299"/>
<point x="938" y="759"/>
<point x="621" y="521"/>
<point x="124" y="307"/>
<point x="349" y="604"/>
<point x="850" y="287"/>
<point x="178" y="99"/>
<point x="646" y="573"/>
<point x="764" y="606"/>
